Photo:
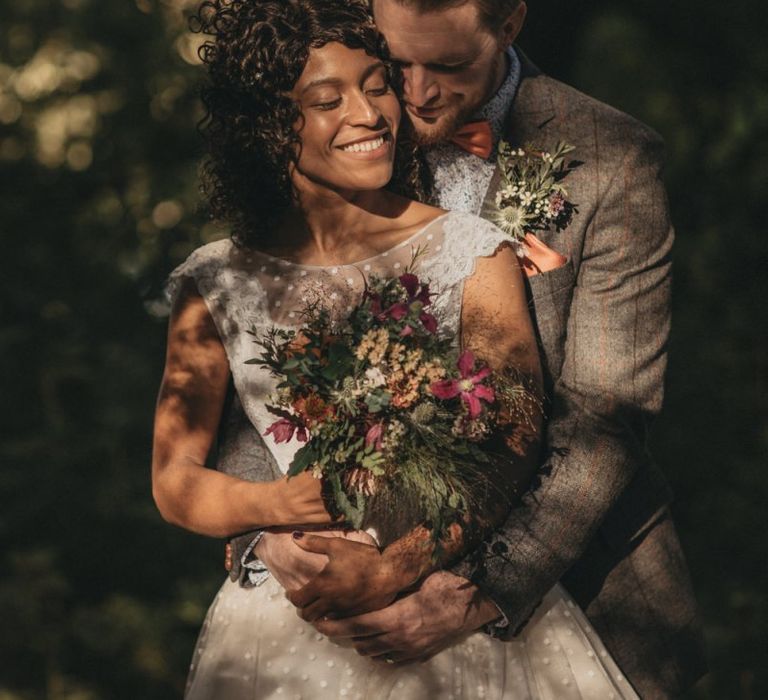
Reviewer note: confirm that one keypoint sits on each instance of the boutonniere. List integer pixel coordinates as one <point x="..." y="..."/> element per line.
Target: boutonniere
<point x="531" y="197"/>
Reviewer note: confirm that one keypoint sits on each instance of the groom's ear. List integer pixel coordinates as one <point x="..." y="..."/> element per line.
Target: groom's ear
<point x="511" y="27"/>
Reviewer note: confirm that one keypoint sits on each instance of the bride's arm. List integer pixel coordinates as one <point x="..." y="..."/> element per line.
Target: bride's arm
<point x="497" y="327"/>
<point x="187" y="418"/>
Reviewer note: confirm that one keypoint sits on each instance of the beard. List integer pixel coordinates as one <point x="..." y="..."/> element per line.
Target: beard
<point x="456" y="115"/>
<point x="425" y="134"/>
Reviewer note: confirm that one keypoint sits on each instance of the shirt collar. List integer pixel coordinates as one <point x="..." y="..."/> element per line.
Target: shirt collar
<point x="497" y="108"/>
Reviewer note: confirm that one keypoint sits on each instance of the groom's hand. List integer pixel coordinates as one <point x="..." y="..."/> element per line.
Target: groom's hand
<point x="418" y="625"/>
<point x="357" y="578"/>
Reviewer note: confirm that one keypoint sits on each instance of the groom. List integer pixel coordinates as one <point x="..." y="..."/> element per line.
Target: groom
<point x="598" y="521"/>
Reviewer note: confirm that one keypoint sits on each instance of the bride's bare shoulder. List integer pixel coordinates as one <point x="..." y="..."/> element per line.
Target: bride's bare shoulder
<point x="416" y="215"/>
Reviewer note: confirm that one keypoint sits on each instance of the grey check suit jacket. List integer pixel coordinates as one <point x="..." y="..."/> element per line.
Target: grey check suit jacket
<point x="598" y="518"/>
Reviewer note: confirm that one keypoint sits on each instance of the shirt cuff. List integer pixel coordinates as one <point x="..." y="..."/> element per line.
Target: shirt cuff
<point x="255" y="570"/>
<point x="500" y="627"/>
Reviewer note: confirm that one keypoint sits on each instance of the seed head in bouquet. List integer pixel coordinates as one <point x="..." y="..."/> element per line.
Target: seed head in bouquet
<point x="389" y="410"/>
<point x="532" y="197"/>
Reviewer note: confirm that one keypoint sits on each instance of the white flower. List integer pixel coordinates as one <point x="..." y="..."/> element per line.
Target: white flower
<point x="375" y="377"/>
<point x="395" y="430"/>
<point x="511" y="220"/>
<point x="510" y="190"/>
<point x="509" y="193"/>
<point x="526" y="198"/>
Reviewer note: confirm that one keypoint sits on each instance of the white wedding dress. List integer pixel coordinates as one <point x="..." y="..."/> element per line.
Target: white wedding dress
<point x="252" y="644"/>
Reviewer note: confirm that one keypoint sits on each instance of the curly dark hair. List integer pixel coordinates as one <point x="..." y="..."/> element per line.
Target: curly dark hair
<point x="256" y="54"/>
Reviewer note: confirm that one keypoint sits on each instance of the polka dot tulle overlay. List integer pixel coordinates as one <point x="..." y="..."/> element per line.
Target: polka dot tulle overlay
<point x="254" y="646"/>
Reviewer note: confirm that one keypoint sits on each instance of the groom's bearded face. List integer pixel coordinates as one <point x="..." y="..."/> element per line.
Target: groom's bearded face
<point x="451" y="64"/>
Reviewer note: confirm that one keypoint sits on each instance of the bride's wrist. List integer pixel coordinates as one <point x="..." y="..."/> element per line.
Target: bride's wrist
<point x="267" y="498"/>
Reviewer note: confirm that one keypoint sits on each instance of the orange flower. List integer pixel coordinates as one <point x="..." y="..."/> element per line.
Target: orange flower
<point x="298" y="344"/>
<point x="313" y="409"/>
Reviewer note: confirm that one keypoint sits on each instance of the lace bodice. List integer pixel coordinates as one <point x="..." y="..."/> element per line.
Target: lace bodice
<point x="247" y="292"/>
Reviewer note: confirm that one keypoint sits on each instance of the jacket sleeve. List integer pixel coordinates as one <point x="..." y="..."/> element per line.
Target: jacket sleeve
<point x="610" y="385"/>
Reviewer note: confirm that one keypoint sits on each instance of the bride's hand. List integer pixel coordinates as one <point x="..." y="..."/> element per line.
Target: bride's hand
<point x="298" y="500"/>
<point x="358" y="578"/>
<point x="291" y="566"/>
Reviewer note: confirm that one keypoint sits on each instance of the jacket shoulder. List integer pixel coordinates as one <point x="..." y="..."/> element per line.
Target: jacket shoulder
<point x="580" y="112"/>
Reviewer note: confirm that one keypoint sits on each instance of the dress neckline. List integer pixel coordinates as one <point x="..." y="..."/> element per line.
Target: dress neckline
<point x="382" y="254"/>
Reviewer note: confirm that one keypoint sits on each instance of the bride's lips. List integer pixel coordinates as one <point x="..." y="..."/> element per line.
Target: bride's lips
<point x="368" y="148"/>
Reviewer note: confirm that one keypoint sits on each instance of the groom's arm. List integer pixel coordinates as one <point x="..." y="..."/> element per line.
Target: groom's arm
<point x="610" y="386"/>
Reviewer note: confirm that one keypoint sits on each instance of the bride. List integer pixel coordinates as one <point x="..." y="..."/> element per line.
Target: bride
<point x="309" y="168"/>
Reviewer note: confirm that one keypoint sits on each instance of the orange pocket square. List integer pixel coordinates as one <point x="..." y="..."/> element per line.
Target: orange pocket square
<point x="540" y="257"/>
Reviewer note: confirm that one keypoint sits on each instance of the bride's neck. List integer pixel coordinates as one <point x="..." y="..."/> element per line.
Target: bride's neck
<point x="326" y="223"/>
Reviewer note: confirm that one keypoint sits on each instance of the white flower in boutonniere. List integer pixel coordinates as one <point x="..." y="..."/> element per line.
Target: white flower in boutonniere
<point x="511" y="219"/>
<point x="531" y="197"/>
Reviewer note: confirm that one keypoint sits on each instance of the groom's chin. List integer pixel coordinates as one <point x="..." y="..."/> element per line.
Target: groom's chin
<point x="429" y="131"/>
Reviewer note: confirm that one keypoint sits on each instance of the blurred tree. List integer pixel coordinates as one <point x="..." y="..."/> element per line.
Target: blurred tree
<point x="98" y="200"/>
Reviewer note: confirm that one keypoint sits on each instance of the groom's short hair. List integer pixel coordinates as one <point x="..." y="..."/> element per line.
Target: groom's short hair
<point x="491" y="12"/>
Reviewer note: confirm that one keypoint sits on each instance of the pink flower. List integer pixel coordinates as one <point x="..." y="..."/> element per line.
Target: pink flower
<point x="468" y="386"/>
<point x="397" y="311"/>
<point x="429" y="322"/>
<point x="373" y="436"/>
<point x="556" y="205"/>
<point x="282" y="430"/>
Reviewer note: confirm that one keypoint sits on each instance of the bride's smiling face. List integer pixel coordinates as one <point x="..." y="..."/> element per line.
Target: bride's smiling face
<point x="350" y="116"/>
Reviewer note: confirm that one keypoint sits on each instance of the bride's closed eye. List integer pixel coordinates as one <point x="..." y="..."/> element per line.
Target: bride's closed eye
<point x="331" y="104"/>
<point x="374" y="91"/>
<point x="378" y="91"/>
<point x="378" y="83"/>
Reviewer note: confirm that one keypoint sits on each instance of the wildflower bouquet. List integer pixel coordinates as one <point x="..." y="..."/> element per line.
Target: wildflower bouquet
<point x="532" y="197"/>
<point x="389" y="411"/>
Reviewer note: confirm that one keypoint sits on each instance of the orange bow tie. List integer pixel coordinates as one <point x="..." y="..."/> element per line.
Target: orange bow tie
<point x="475" y="138"/>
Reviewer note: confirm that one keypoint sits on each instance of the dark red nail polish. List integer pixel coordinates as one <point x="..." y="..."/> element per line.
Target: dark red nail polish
<point x="297" y="535"/>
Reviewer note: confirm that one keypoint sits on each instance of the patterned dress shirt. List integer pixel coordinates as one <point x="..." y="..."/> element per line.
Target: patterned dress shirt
<point x="461" y="179"/>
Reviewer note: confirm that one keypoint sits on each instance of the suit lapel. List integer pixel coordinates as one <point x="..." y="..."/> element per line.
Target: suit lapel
<point x="532" y="112"/>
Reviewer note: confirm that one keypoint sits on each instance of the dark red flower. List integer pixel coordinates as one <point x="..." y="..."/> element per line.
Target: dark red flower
<point x="415" y="290"/>
<point x="282" y="430"/>
<point x="312" y="409"/>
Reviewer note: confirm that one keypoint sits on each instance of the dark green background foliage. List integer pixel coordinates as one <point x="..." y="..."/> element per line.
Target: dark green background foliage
<point x="98" y="200"/>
